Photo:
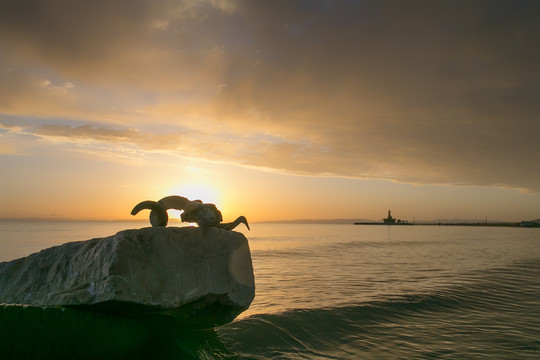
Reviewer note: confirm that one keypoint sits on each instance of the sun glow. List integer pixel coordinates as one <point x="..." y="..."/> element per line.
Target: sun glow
<point x="197" y="191"/>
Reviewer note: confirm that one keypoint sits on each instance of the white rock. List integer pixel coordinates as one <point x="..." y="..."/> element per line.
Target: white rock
<point x="164" y="267"/>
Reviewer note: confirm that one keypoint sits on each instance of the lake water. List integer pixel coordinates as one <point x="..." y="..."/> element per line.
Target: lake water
<point x="361" y="292"/>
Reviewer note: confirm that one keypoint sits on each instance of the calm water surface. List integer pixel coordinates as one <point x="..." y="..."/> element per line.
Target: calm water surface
<point x="349" y="292"/>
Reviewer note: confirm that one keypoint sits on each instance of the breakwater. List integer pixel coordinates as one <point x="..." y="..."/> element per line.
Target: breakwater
<point x="491" y="224"/>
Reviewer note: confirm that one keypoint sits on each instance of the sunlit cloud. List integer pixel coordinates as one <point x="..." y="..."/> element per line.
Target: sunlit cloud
<point x="344" y="89"/>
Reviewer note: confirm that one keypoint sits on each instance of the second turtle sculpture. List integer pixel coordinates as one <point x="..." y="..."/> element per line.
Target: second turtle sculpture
<point x="205" y="215"/>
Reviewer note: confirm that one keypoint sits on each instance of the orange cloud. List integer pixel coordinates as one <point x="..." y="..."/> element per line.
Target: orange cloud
<point x="417" y="92"/>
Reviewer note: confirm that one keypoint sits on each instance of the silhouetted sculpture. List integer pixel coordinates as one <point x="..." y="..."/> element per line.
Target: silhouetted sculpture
<point x="205" y="215"/>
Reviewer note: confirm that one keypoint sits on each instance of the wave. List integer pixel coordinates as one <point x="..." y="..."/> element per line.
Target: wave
<point x="493" y="314"/>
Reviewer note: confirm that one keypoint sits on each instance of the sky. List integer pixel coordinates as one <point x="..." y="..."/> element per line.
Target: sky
<point x="272" y="109"/>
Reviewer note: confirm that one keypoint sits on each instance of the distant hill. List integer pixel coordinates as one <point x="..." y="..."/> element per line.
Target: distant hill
<point x="352" y="221"/>
<point x="316" y="221"/>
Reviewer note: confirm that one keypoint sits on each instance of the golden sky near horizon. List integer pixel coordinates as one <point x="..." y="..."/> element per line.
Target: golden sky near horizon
<point x="271" y="109"/>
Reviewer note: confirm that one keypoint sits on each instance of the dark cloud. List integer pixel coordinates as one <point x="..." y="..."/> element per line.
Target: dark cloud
<point x="438" y="92"/>
<point x="142" y="43"/>
<point x="423" y="91"/>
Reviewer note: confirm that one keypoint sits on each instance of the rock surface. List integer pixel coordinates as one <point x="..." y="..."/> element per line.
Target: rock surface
<point x="165" y="268"/>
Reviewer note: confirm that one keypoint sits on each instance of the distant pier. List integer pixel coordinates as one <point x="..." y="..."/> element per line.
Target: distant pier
<point x="381" y="223"/>
<point x="500" y="224"/>
<point x="391" y="221"/>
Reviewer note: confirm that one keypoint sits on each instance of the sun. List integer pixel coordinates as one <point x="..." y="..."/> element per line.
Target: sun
<point x="197" y="191"/>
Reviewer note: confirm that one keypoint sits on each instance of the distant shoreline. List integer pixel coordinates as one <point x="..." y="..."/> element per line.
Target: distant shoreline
<point x="493" y="224"/>
<point x="533" y="223"/>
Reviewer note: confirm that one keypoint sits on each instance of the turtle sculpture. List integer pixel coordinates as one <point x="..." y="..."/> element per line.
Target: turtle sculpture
<point x="205" y="215"/>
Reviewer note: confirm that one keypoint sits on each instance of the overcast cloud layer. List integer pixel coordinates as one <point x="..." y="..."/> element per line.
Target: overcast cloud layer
<point x="438" y="92"/>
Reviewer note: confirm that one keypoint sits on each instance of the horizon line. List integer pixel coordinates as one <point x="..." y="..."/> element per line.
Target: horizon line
<point x="299" y="220"/>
